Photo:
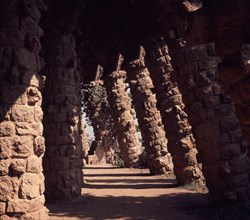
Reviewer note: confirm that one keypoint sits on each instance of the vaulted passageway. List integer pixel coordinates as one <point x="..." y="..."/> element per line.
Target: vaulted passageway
<point x="196" y="68"/>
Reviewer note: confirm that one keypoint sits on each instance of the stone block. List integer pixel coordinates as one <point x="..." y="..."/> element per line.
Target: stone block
<point x="23" y="128"/>
<point x="32" y="9"/>
<point x="61" y="194"/>
<point x="34" y="164"/>
<point x="209" y="63"/>
<point x="59" y="163"/>
<point x="26" y="59"/>
<point x="241" y="180"/>
<point x="8" y="188"/>
<point x="38" y="114"/>
<point x="12" y="37"/>
<point x="2" y="208"/>
<point x="6" y="146"/>
<point x="42" y="214"/>
<point x="202" y="79"/>
<point x="195" y="53"/>
<point x="205" y="130"/>
<point x="39" y="146"/>
<point x="34" y="96"/>
<point x="229" y="123"/>
<point x="244" y="88"/>
<point x="212" y="101"/>
<point x="18" y="166"/>
<point x="236" y="136"/>
<point x="4" y="167"/>
<point x="71" y="100"/>
<point x="25" y="205"/>
<point x="202" y="93"/>
<point x="21" y="113"/>
<point x="66" y="129"/>
<point x="30" y="186"/>
<point x="28" y="24"/>
<point x="230" y="151"/>
<point x="239" y="165"/>
<point x="67" y="89"/>
<point x="7" y="129"/>
<point x="23" y="147"/>
<point x="61" y="140"/>
<point x="60" y="117"/>
<point x="41" y="184"/>
<point x="224" y="110"/>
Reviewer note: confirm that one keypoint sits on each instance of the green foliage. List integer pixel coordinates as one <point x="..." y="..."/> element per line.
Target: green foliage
<point x="95" y="104"/>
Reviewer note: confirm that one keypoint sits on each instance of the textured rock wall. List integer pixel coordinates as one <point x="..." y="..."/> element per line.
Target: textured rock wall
<point x="125" y="128"/>
<point x="236" y="83"/>
<point x="149" y="119"/>
<point x="62" y="121"/>
<point x="216" y="128"/>
<point x="181" y="143"/>
<point x="21" y="131"/>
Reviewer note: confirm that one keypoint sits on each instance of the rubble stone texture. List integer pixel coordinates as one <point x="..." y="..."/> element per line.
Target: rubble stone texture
<point x="125" y="128"/>
<point x="62" y="121"/>
<point x="238" y="88"/>
<point x="219" y="139"/>
<point x="181" y="143"/>
<point x="21" y="131"/>
<point x="149" y="119"/>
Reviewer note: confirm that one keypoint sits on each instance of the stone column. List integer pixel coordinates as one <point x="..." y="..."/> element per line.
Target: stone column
<point x="62" y="121"/>
<point x="216" y="128"/>
<point x="124" y="124"/>
<point x="236" y="83"/>
<point x="181" y="143"/>
<point x="21" y="131"/>
<point x="149" y="118"/>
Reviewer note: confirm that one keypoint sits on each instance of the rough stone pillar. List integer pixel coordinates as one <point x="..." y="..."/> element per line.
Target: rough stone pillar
<point x="216" y="128"/>
<point x="62" y="121"/>
<point x="21" y="131"/>
<point x="181" y="143"/>
<point x="149" y="118"/>
<point x="124" y="124"/>
<point x="236" y="83"/>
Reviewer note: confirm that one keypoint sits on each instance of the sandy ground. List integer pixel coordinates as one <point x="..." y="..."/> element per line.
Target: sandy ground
<point x="115" y="193"/>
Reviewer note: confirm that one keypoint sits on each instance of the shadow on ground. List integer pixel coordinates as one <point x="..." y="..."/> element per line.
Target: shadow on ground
<point x="132" y="197"/>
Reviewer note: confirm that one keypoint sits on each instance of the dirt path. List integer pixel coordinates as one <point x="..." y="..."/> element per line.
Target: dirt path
<point x="113" y="193"/>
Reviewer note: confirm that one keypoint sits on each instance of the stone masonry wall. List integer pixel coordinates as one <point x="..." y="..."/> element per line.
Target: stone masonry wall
<point x="238" y="87"/>
<point x="21" y="131"/>
<point x="181" y="143"/>
<point x="149" y="119"/>
<point x="125" y="128"/>
<point x="62" y="121"/>
<point x="216" y="128"/>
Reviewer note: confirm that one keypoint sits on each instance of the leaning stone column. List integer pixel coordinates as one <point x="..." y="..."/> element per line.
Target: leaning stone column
<point x="216" y="128"/>
<point x="124" y="124"/>
<point x="21" y="131"/>
<point x="62" y="121"/>
<point x="181" y="143"/>
<point x="149" y="118"/>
